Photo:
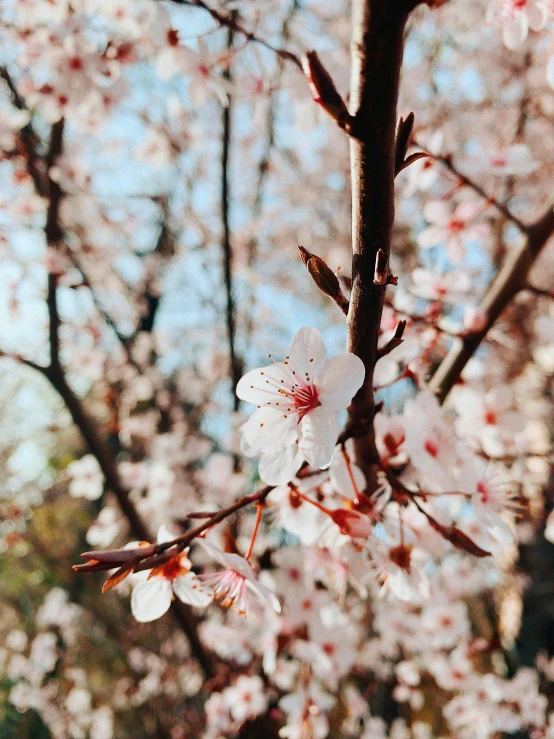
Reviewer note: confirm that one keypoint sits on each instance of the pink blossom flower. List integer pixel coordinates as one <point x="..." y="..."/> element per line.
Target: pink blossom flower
<point x="492" y="495"/>
<point x="450" y="287"/>
<point x="451" y="228"/>
<point x="299" y="399"/>
<point x="296" y="515"/>
<point x="231" y="585"/>
<point x="516" y="17"/>
<point x="246" y="698"/>
<point x="514" y="160"/>
<point x="197" y="66"/>
<point x="430" y="441"/>
<point x="152" y="598"/>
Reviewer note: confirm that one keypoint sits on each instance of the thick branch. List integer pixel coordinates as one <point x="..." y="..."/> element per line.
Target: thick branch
<point x="230" y="318"/>
<point x="509" y="281"/>
<point x="377" y="47"/>
<point x="54" y="236"/>
<point x="27" y="136"/>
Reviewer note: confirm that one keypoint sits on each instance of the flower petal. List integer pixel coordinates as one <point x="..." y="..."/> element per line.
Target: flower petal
<point x="261" y="386"/>
<point x="514" y="31"/>
<point x="320" y="430"/>
<point x="307" y="353"/>
<point x="537" y="14"/>
<point x="269" y="430"/>
<point x="437" y="212"/>
<point x="151" y="599"/>
<point x="340" y="380"/>
<point x="279" y="467"/>
<point x="230" y="561"/>
<point x="264" y="594"/>
<point x="189" y="589"/>
<point x="431" y="236"/>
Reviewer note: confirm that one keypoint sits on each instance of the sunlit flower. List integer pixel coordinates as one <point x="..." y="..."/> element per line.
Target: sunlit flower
<point x="232" y="585"/>
<point x="152" y="598"/>
<point x="299" y="399"/>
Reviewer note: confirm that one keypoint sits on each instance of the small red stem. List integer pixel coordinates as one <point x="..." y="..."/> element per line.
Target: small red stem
<point x="259" y="511"/>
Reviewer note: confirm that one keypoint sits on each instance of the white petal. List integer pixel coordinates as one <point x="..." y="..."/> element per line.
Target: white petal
<point x="151" y="599"/>
<point x="189" y="589"/>
<point x="431" y="236"/>
<point x="550" y="72"/>
<point x="341" y="478"/>
<point x="320" y="430"/>
<point x="164" y="534"/>
<point x="537" y="13"/>
<point x="340" y="380"/>
<point x="264" y="594"/>
<point x="437" y="212"/>
<point x="307" y="352"/>
<point x="165" y="64"/>
<point x="261" y="386"/>
<point x="269" y="430"/>
<point x="280" y="467"/>
<point x="230" y="561"/>
<point x="468" y="210"/>
<point x="514" y="31"/>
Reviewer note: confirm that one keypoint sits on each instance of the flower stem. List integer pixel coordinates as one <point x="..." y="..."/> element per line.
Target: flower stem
<point x="259" y="511"/>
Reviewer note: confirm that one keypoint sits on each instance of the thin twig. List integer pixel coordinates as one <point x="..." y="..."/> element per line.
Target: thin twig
<point x="229" y="21"/>
<point x="475" y="186"/>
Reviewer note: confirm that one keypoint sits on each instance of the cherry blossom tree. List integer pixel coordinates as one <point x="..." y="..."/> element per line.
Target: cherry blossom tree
<point x="278" y="358"/>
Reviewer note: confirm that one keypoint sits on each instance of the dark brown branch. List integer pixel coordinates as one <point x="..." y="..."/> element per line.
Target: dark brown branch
<point x="230" y="316"/>
<point x="28" y="138"/>
<point x="509" y="281"/>
<point x="22" y="360"/>
<point x="54" y="373"/>
<point x="140" y="559"/>
<point x="54" y="236"/>
<point x="377" y="48"/>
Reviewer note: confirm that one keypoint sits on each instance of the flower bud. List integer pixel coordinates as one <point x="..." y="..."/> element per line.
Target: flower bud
<point x="323" y="88"/>
<point x="321" y="273"/>
<point x="352" y="523"/>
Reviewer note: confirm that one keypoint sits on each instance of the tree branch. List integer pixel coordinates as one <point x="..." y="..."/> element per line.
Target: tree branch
<point x="54" y="236"/>
<point x="27" y="136"/>
<point x="377" y="48"/>
<point x="54" y="373"/>
<point x="100" y="449"/>
<point x="509" y="281"/>
<point x="230" y="318"/>
<point x="229" y="21"/>
<point x="475" y="186"/>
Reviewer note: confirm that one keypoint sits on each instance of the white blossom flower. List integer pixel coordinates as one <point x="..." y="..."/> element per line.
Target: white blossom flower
<point x="516" y="17"/>
<point x="87" y="478"/>
<point x="152" y="598"/>
<point x="231" y="585"/>
<point x="452" y="228"/>
<point x="299" y="400"/>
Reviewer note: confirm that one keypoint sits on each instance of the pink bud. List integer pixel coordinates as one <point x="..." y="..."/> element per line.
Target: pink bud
<point x="352" y="523"/>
